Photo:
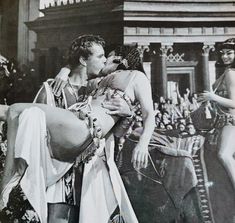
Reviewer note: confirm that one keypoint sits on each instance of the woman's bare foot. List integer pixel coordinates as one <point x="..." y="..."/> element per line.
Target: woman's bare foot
<point x="4" y="181"/>
<point x="3" y="185"/>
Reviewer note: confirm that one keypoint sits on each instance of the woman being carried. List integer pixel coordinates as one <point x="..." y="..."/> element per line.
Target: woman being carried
<point x="70" y="132"/>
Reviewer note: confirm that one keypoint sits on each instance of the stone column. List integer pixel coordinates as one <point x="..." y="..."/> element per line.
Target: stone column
<point x="163" y="69"/>
<point x="28" y="11"/>
<point x="142" y="48"/>
<point x="207" y="47"/>
<point x="147" y="65"/>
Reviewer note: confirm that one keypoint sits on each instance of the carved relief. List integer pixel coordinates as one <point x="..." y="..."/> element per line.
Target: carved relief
<point x="165" y="48"/>
<point x="175" y="58"/>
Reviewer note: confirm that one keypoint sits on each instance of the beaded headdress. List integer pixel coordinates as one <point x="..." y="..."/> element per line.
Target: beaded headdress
<point x="131" y="57"/>
<point x="228" y="44"/>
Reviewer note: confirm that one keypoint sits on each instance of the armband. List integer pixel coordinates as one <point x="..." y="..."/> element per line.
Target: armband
<point x="132" y="115"/>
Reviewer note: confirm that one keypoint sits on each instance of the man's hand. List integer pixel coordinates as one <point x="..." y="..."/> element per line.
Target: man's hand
<point x="60" y="81"/>
<point x="117" y="106"/>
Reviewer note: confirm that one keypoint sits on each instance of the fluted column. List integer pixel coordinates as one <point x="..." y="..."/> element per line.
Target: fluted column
<point x="205" y="64"/>
<point x="163" y="69"/>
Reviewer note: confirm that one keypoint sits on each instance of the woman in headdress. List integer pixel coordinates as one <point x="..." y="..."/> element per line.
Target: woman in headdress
<point x="224" y="101"/>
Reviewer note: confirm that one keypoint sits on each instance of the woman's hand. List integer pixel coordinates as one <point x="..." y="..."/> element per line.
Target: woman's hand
<point x="206" y="96"/>
<point x="140" y="156"/>
<point x="61" y="80"/>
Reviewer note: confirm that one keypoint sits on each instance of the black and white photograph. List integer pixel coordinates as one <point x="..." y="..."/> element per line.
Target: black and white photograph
<point x="117" y="111"/>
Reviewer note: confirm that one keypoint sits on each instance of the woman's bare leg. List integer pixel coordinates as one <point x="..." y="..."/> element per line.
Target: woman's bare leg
<point x="69" y="135"/>
<point x="65" y="132"/>
<point x="227" y="151"/>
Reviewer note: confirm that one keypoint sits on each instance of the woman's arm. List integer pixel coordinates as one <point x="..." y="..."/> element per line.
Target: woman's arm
<point x="225" y="102"/>
<point x="178" y="94"/>
<point x="61" y="80"/>
<point x="143" y="94"/>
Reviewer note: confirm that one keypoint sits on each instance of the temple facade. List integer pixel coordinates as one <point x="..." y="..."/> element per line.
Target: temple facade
<point x="177" y="38"/>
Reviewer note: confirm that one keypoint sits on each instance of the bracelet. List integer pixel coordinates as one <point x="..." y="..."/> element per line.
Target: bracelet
<point x="131" y="116"/>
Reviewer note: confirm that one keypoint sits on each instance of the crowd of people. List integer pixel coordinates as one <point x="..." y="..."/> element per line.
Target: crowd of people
<point x="174" y="116"/>
<point x="13" y="82"/>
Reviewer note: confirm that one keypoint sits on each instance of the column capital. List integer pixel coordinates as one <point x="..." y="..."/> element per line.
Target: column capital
<point x="207" y="47"/>
<point x="165" y="48"/>
<point x="142" y="47"/>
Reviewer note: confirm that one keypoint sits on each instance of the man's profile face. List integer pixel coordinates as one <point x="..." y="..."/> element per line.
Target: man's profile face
<point x="96" y="61"/>
<point x="110" y="66"/>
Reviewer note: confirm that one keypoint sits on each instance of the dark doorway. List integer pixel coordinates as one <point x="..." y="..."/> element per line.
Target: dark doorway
<point x="180" y="81"/>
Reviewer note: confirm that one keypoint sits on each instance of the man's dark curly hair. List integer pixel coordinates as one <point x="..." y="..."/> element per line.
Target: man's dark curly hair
<point x="81" y="47"/>
<point x="227" y="44"/>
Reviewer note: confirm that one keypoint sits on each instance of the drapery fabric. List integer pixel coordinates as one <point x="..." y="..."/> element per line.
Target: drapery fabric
<point x="103" y="189"/>
<point x="41" y="171"/>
